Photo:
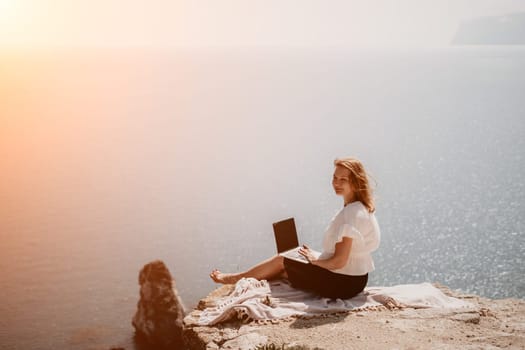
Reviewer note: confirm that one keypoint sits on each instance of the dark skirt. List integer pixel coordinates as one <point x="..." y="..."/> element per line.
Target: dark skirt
<point x="322" y="281"/>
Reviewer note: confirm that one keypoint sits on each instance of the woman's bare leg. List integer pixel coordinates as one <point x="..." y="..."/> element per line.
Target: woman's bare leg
<point x="268" y="269"/>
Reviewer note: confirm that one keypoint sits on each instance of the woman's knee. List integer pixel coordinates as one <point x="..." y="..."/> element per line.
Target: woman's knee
<point x="279" y="261"/>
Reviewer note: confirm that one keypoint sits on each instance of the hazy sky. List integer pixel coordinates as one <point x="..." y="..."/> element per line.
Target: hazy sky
<point x="376" y="23"/>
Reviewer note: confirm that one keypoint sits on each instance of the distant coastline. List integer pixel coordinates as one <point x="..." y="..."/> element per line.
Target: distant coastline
<point x="497" y="30"/>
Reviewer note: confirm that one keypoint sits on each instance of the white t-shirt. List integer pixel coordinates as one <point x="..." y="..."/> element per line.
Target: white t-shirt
<point x="353" y="221"/>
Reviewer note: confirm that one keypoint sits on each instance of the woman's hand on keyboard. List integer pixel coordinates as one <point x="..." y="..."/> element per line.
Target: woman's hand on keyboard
<point x="307" y="253"/>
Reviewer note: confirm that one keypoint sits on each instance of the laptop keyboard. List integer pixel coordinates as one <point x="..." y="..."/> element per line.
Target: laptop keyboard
<point x="294" y="254"/>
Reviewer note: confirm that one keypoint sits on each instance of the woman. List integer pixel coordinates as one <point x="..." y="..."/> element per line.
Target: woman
<point x="353" y="234"/>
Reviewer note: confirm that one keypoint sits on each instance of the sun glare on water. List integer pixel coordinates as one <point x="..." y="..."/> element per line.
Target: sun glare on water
<point x="16" y="21"/>
<point x="7" y="11"/>
<point x="9" y="15"/>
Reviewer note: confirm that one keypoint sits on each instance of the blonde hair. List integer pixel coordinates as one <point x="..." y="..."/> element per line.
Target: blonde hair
<point x="358" y="180"/>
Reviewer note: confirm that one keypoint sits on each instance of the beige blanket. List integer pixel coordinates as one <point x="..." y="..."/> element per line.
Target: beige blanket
<point x="261" y="301"/>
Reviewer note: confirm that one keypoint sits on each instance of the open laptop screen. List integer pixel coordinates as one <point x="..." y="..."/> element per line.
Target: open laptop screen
<point x="285" y="235"/>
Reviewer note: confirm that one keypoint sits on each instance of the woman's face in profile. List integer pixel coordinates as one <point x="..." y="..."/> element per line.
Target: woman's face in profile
<point x="341" y="182"/>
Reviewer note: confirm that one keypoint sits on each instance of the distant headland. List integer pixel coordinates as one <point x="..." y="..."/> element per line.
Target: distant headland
<point x="497" y="30"/>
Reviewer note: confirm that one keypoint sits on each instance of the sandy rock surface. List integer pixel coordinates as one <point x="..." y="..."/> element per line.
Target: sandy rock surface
<point x="498" y="324"/>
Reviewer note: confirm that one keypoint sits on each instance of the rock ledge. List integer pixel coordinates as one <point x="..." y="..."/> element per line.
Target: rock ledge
<point x="498" y="324"/>
<point x="494" y="324"/>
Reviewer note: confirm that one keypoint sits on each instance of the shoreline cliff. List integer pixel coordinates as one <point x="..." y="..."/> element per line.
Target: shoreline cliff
<point x="498" y="324"/>
<point x="492" y="324"/>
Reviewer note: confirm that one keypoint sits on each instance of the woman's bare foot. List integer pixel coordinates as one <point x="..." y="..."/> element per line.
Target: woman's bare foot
<point x="224" y="278"/>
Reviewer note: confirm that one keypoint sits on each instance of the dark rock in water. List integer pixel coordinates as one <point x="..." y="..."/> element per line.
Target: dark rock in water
<point x="160" y="311"/>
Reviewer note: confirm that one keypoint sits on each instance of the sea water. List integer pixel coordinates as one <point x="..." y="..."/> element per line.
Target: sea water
<point x="111" y="159"/>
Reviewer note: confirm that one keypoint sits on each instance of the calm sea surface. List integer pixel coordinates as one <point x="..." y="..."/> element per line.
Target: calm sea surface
<point x="111" y="159"/>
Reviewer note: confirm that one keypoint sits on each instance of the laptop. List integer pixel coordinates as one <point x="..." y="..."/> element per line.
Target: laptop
<point x="287" y="242"/>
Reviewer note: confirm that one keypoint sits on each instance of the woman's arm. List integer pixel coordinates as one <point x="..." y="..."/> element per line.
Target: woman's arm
<point x="337" y="261"/>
